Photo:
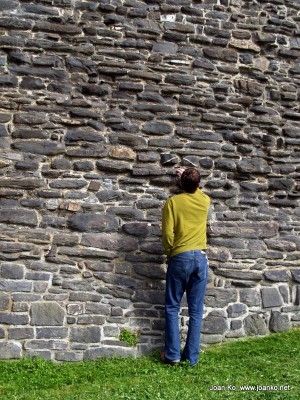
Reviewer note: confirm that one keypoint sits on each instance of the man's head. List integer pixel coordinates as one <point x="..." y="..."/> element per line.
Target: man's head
<point x="190" y="180"/>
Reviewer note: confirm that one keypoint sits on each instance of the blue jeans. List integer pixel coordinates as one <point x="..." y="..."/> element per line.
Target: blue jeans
<point x="187" y="272"/>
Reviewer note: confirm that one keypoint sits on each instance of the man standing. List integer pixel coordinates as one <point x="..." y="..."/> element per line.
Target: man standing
<point x="184" y="222"/>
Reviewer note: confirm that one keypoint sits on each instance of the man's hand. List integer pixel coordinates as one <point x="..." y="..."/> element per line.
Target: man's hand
<point x="179" y="172"/>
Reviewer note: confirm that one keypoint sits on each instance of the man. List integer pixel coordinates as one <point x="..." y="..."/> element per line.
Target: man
<point x="184" y="222"/>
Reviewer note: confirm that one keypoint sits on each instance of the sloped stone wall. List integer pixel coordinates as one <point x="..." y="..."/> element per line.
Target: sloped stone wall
<point x="100" y="100"/>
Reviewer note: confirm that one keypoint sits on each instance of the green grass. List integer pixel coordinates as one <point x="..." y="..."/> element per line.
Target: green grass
<point x="273" y="360"/>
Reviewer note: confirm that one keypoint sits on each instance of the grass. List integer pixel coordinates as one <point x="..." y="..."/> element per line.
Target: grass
<point x="262" y="362"/>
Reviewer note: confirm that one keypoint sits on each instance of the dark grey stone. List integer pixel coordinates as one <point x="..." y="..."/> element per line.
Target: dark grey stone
<point x="214" y="325"/>
<point x="279" y="322"/>
<point x="219" y="297"/>
<point x="15" y="286"/>
<point x="89" y="334"/>
<point x="12" y="271"/>
<point x="250" y="297"/>
<point x="4" y="302"/>
<point x="140" y="229"/>
<point x="107" y="241"/>
<point x="236" y="310"/>
<point x="43" y="147"/>
<point x="271" y="297"/>
<point x="51" y="333"/>
<point x="254" y="324"/>
<point x="20" y="333"/>
<point x="13" y="319"/>
<point x="85" y="222"/>
<point x="277" y="275"/>
<point x="10" y="350"/>
<point x="83" y="135"/>
<point x="69" y="356"/>
<point x="295" y="274"/>
<point x="47" y="314"/>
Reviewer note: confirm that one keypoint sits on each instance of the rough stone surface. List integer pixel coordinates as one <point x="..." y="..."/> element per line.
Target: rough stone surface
<point x="255" y="325"/>
<point x="99" y="102"/>
<point x="47" y="314"/>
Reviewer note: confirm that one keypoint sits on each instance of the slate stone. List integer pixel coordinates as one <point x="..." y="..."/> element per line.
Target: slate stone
<point x="51" y="333"/>
<point x="13" y="318"/>
<point x="126" y="213"/>
<point x="250" y="297"/>
<point x="82" y="135"/>
<point x="110" y="241"/>
<point x="32" y="83"/>
<point x="157" y="128"/>
<point x="236" y="310"/>
<point x="10" y="350"/>
<point x="271" y="297"/>
<point x="214" y="325"/>
<point x="68" y="356"/>
<point x="4" y="301"/>
<point x="68" y="184"/>
<point x="219" y="297"/>
<point x="47" y="314"/>
<point x="295" y="274"/>
<point x="12" y="271"/>
<point x="279" y="322"/>
<point x="20" y="333"/>
<point x="140" y="229"/>
<point x="42" y="147"/>
<point x="114" y="166"/>
<point x="255" y="325"/>
<point x="85" y="222"/>
<point x="150" y="271"/>
<point x="18" y="216"/>
<point x="277" y="275"/>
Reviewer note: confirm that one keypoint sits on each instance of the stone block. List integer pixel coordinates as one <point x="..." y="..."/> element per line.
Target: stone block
<point x="140" y="229"/>
<point x="214" y="325"/>
<point x="279" y="322"/>
<point x="69" y="356"/>
<point x="271" y="297"/>
<point x="236" y="310"/>
<point x="47" y="314"/>
<point x="18" y="216"/>
<point x="20" y="333"/>
<point x="89" y="334"/>
<point x="255" y="325"/>
<point x="15" y="286"/>
<point x="85" y="222"/>
<point x="250" y="297"/>
<point x="41" y="344"/>
<point x="279" y="275"/>
<point x="51" y="333"/>
<point x="13" y="319"/>
<point x="211" y="338"/>
<point x="112" y="241"/>
<point x="295" y="274"/>
<point x="4" y="301"/>
<point x="220" y="297"/>
<point x="10" y="350"/>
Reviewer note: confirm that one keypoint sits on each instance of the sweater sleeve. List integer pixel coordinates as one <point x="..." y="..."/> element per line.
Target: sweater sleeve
<point x="168" y="227"/>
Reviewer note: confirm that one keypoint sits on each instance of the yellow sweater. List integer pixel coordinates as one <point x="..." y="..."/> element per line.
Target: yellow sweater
<point x="184" y="221"/>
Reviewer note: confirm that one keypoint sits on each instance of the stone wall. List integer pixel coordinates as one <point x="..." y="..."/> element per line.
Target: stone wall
<point x="100" y="100"/>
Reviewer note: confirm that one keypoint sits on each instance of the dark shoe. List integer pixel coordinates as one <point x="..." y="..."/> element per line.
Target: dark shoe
<point x="166" y="361"/>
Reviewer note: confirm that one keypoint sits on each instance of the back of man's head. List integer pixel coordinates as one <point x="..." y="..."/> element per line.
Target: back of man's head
<point x="190" y="180"/>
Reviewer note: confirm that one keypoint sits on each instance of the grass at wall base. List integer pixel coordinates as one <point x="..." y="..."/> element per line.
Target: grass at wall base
<point x="261" y="368"/>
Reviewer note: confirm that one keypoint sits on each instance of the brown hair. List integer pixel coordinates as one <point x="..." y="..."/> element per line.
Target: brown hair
<point x="190" y="180"/>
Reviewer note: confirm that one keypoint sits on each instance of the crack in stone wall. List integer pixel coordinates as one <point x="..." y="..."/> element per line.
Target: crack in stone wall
<point x="100" y="100"/>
